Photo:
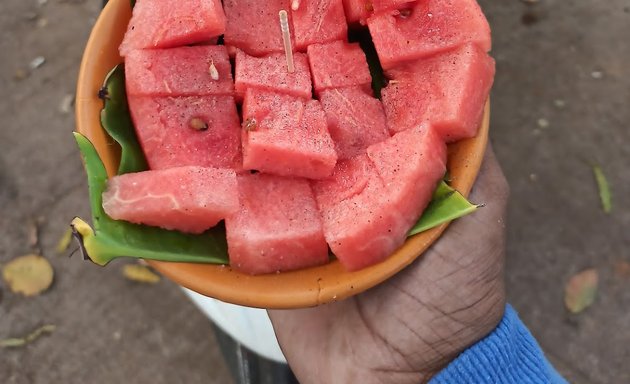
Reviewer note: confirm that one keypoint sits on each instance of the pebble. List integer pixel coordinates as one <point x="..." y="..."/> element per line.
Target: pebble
<point x="42" y="22"/>
<point x="543" y="123"/>
<point x="37" y="62"/>
<point x="597" y="75"/>
<point x="66" y="104"/>
<point x="20" y="74"/>
<point x="559" y="103"/>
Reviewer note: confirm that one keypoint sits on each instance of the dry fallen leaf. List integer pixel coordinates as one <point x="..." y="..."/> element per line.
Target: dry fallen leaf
<point x="29" y="275"/>
<point x="22" y="341"/>
<point x="64" y="241"/>
<point x="140" y="274"/>
<point x="622" y="269"/>
<point x="604" y="189"/>
<point x="581" y="290"/>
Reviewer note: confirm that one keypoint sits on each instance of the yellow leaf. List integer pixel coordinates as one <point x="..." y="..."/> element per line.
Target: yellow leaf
<point x="581" y="290"/>
<point x="29" y="275"/>
<point x="64" y="241"/>
<point x="140" y="273"/>
<point x="22" y="341"/>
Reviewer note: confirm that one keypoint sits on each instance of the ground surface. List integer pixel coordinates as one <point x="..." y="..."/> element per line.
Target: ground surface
<point x="560" y="104"/>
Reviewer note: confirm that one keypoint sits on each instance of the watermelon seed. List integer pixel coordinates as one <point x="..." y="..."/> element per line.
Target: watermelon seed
<point x="405" y="13"/>
<point x="250" y="124"/>
<point x="295" y="5"/>
<point x="214" y="73"/>
<point x="198" y="124"/>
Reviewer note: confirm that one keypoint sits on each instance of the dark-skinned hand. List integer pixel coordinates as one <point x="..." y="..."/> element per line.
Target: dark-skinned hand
<point x="407" y="329"/>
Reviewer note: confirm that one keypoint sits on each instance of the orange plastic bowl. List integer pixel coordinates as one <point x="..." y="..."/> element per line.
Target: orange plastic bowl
<point x="303" y="288"/>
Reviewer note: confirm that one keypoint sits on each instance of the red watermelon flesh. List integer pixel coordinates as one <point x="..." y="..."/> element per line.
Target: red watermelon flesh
<point x="318" y="21"/>
<point x="187" y="199"/>
<point x="449" y="90"/>
<point x="356" y="120"/>
<point x="170" y="138"/>
<point x="410" y="164"/>
<point x="286" y="135"/>
<point x="277" y="228"/>
<point x="428" y="28"/>
<point x="337" y="65"/>
<point x="166" y="24"/>
<point x="371" y="202"/>
<point x="359" y="224"/>
<point x="254" y="26"/>
<point x="184" y="71"/>
<point x="270" y="73"/>
<point x="360" y="10"/>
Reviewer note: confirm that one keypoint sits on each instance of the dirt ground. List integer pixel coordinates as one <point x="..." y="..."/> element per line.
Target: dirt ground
<point x="560" y="105"/>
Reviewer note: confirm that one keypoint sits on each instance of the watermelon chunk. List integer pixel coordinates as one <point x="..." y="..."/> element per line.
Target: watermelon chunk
<point x="410" y="164"/>
<point x="183" y="71"/>
<point x="253" y="25"/>
<point x="427" y="28"/>
<point x="356" y="120"/>
<point x="270" y="73"/>
<point x="371" y="201"/>
<point x="166" y="24"/>
<point x="187" y="199"/>
<point x="286" y="135"/>
<point x="319" y="21"/>
<point x="338" y="65"/>
<point x="449" y="90"/>
<point x="360" y="10"/>
<point x="169" y="130"/>
<point x="277" y="228"/>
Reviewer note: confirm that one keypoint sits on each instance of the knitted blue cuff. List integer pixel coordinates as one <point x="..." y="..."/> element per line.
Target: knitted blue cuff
<point x="510" y="354"/>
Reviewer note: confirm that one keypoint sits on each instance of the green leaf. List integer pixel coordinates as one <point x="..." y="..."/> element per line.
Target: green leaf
<point x="447" y="204"/>
<point x="604" y="189"/>
<point x="116" y="120"/>
<point x="110" y="239"/>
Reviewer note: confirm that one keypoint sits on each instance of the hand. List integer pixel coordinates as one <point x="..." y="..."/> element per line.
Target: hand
<point x="410" y="327"/>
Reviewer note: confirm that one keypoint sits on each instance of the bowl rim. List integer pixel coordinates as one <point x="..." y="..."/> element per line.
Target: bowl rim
<point x="296" y="289"/>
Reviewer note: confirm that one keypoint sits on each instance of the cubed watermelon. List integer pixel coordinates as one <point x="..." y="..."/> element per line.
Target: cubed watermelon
<point x="170" y="23"/>
<point x="286" y="135"/>
<point x="187" y="199"/>
<point x="182" y="131"/>
<point x="356" y="120"/>
<point x="410" y="164"/>
<point x="427" y="28"/>
<point x="371" y="202"/>
<point x="277" y="228"/>
<point x="337" y="65"/>
<point x="270" y="73"/>
<point x="184" y="71"/>
<point x="254" y="25"/>
<point x="360" y="10"/>
<point x="318" y="21"/>
<point x="449" y="90"/>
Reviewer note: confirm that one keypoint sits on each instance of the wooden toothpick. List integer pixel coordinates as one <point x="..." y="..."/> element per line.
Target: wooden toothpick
<point x="286" y="38"/>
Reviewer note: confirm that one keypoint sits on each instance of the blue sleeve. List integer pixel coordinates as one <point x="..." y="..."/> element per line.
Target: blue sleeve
<point x="510" y="354"/>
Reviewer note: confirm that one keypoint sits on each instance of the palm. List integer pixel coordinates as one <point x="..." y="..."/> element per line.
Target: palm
<point x="407" y="329"/>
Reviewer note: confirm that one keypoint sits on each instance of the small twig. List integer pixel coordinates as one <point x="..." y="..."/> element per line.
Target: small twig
<point x="286" y="38"/>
